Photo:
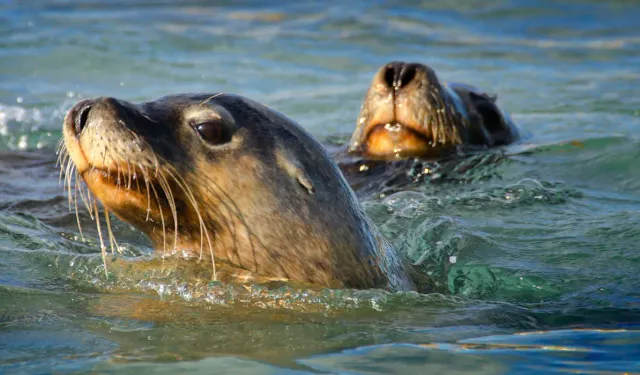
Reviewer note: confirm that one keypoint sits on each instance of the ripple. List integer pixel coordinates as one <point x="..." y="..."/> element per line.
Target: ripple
<point x="538" y="352"/>
<point x="541" y="236"/>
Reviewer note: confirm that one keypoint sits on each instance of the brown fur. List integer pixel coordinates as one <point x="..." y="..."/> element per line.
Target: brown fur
<point x="271" y="200"/>
<point x="408" y="112"/>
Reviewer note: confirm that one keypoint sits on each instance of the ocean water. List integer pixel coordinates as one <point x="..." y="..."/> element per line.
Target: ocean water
<point x="537" y="247"/>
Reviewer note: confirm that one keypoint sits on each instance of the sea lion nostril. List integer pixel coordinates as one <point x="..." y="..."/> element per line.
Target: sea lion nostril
<point x="398" y="75"/>
<point x="390" y="75"/>
<point x="81" y="118"/>
<point x="407" y="74"/>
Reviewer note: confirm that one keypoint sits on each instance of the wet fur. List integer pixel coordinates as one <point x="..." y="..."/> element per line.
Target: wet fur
<point x="271" y="202"/>
<point x="431" y="119"/>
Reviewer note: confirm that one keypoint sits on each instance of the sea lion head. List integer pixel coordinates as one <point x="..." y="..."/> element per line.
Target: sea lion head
<point x="220" y="175"/>
<point x="408" y="112"/>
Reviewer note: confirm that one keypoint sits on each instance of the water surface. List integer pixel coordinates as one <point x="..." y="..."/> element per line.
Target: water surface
<point x="538" y="250"/>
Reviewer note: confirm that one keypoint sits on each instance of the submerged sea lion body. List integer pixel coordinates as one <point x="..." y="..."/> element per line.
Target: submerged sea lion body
<point x="222" y="174"/>
<point x="408" y="112"/>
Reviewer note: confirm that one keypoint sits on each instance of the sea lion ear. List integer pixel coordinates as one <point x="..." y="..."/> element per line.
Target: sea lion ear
<point x="483" y="96"/>
<point x="292" y="166"/>
<point x="304" y="180"/>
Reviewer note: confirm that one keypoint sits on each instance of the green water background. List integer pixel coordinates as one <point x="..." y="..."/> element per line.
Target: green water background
<point x="546" y="239"/>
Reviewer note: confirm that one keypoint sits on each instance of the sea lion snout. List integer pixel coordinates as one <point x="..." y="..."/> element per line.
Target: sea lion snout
<point x="400" y="114"/>
<point x="101" y="109"/>
<point x="397" y="75"/>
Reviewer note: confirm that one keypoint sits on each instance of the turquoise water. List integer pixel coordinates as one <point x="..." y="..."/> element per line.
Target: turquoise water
<point x="539" y="250"/>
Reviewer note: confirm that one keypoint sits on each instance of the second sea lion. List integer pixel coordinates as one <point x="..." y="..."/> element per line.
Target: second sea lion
<point x="408" y="112"/>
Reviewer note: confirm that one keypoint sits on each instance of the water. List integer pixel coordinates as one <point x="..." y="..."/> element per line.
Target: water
<point x="543" y="242"/>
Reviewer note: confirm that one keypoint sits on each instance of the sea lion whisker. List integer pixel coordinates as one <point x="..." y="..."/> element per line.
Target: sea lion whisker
<point x="104" y="156"/>
<point x="232" y="208"/>
<point x="155" y="163"/>
<point x="137" y="178"/>
<point x="63" y="162"/>
<point x="145" y="175"/>
<point x="70" y="169"/>
<point x="63" y="172"/>
<point x="448" y="117"/>
<point x="75" y="206"/>
<point x="86" y="200"/>
<point x="60" y="164"/>
<point x="59" y="145"/>
<point x="63" y="158"/>
<point x="443" y="117"/>
<point x="211" y="97"/>
<point x="129" y="173"/>
<point x="118" y="179"/>
<point x="164" y="184"/>
<point x="112" y="239"/>
<point x="220" y="217"/>
<point x="70" y="165"/>
<point x="203" y="230"/>
<point x="164" y="231"/>
<point x="61" y="151"/>
<point x="224" y="217"/>
<point x="439" y="118"/>
<point x="103" y="249"/>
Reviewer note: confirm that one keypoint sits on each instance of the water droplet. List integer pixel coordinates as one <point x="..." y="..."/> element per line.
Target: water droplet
<point x="22" y="143"/>
<point x="19" y="99"/>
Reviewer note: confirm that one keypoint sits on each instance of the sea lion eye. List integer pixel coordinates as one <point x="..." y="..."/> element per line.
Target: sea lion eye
<point x="213" y="131"/>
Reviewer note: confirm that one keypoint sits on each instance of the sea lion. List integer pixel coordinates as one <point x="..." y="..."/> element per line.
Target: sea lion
<point x="407" y="112"/>
<point x="225" y="174"/>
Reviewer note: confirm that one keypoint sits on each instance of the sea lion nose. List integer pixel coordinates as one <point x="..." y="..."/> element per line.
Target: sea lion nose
<point x="80" y="113"/>
<point x="398" y="74"/>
